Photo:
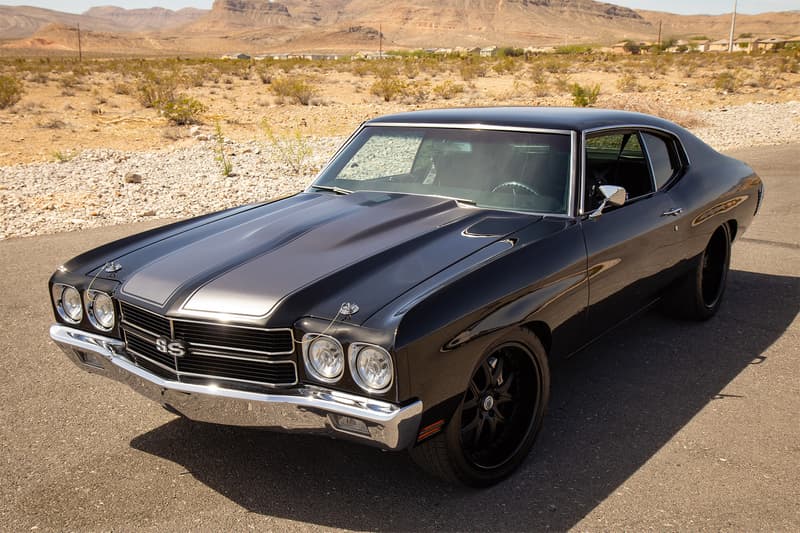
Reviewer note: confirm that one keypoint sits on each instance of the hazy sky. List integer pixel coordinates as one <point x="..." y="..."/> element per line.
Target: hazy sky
<point x="675" y="6"/>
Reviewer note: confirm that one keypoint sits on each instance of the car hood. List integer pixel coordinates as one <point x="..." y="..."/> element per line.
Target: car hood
<point x="306" y="255"/>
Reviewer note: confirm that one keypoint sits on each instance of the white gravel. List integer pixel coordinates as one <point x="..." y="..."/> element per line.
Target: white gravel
<point x="91" y="190"/>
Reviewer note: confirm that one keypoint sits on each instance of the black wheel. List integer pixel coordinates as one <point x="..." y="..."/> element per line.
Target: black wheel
<point x="500" y="415"/>
<point x="698" y="295"/>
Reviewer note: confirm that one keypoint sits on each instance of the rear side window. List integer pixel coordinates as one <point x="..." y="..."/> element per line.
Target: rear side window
<point x="663" y="159"/>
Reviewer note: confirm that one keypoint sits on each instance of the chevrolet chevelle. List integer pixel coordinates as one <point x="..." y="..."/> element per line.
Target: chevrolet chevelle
<point x="414" y="296"/>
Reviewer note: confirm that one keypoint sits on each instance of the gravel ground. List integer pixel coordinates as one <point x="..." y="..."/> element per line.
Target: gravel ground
<point x="92" y="190"/>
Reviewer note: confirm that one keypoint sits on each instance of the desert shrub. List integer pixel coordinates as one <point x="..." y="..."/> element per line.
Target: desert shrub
<point x="471" y="69"/>
<point x="584" y="96"/>
<point x="293" y="150"/>
<point x="448" y="90"/>
<point x="69" y="81"/>
<point x="121" y="88"/>
<point x="573" y="49"/>
<point x="416" y="92"/>
<point x="152" y="90"/>
<point x="38" y="77"/>
<point x="562" y="82"/>
<point x="541" y="88"/>
<point x="538" y="74"/>
<point x="727" y="82"/>
<point x="556" y="65"/>
<point x="299" y="90"/>
<point x="410" y="68"/>
<point x="225" y="163"/>
<point x="11" y="91"/>
<point x="628" y="84"/>
<point x="182" y="110"/>
<point x="388" y="88"/>
<point x="507" y="64"/>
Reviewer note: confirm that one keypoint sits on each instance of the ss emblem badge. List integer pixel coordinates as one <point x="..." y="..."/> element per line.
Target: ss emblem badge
<point x="170" y="346"/>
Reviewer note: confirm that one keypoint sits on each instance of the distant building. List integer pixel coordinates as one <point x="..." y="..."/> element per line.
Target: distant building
<point x="240" y="55"/>
<point x="745" y="44"/>
<point x="718" y="46"/>
<point x="488" y="51"/>
<point x="771" y="43"/>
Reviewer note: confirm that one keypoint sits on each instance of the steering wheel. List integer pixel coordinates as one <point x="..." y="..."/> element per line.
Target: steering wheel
<point x="517" y="185"/>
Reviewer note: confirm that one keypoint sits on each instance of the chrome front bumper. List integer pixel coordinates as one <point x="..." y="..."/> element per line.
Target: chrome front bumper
<point x="306" y="409"/>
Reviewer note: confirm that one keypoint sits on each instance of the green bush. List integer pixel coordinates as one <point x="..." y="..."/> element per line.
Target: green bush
<point x="584" y="96"/>
<point x="299" y="90"/>
<point x="182" y="110"/>
<point x="11" y="90"/>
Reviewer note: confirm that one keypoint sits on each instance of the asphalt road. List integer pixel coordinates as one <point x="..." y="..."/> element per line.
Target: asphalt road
<point x="664" y="425"/>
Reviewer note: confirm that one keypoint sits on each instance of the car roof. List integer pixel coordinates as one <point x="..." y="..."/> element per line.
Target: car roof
<point x="554" y="118"/>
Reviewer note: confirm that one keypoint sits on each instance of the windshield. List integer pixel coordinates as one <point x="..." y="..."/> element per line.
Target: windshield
<point x="500" y="169"/>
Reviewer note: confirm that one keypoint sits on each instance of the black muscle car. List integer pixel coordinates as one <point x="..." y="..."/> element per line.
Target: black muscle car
<point x="415" y="294"/>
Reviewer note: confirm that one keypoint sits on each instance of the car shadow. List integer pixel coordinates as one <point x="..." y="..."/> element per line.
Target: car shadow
<point x="613" y="407"/>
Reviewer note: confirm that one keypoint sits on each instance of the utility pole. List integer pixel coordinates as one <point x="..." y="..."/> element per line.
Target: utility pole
<point x="733" y="27"/>
<point x="380" y="41"/>
<point x="80" y="50"/>
<point x="659" y="34"/>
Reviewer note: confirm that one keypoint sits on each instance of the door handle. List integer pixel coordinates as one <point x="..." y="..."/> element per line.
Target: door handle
<point x="675" y="211"/>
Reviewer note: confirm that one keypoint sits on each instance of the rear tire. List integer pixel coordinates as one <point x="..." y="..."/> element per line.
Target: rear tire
<point x="698" y="295"/>
<point x="498" y="419"/>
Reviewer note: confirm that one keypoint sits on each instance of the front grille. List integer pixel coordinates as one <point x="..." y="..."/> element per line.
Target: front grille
<point x="231" y="356"/>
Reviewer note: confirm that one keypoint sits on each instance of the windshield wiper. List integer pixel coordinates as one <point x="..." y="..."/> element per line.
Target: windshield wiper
<point x="337" y="190"/>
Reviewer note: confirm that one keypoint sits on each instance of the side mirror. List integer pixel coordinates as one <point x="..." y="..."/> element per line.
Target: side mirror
<point x="613" y="195"/>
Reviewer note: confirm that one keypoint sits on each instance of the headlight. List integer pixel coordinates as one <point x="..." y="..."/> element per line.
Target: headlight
<point x="100" y="308"/>
<point x="372" y="367"/>
<point x="67" y="300"/>
<point x="324" y="357"/>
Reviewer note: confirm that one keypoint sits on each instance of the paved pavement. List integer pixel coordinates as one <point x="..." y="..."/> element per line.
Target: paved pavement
<point x="665" y="426"/>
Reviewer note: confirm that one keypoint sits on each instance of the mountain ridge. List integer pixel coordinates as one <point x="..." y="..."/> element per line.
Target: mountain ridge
<point x="258" y="26"/>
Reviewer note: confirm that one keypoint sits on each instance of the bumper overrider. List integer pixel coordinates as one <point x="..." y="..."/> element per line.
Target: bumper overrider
<point x="306" y="409"/>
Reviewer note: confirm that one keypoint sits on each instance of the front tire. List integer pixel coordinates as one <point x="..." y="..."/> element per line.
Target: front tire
<point x="698" y="295"/>
<point x="499" y="416"/>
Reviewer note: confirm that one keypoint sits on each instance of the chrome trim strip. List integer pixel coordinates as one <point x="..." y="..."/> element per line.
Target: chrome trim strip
<point x="307" y="409"/>
<point x="140" y="335"/>
<point x="573" y="169"/>
<point x="126" y="324"/>
<point x="254" y="360"/>
<point x="243" y="350"/>
<point x="472" y="126"/>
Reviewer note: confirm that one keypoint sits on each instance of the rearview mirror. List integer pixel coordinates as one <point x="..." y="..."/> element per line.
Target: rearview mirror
<point x="612" y="194"/>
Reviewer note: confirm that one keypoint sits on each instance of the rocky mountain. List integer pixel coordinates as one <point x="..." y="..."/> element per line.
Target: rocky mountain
<point x="293" y="25"/>
<point x="154" y="18"/>
<point x="18" y="22"/>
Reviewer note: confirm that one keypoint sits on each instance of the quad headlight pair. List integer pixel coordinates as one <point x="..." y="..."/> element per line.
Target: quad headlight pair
<point x="370" y="365"/>
<point x="99" y="306"/>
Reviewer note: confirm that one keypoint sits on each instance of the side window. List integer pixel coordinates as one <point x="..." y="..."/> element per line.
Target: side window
<point x="664" y="160"/>
<point x="615" y="159"/>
